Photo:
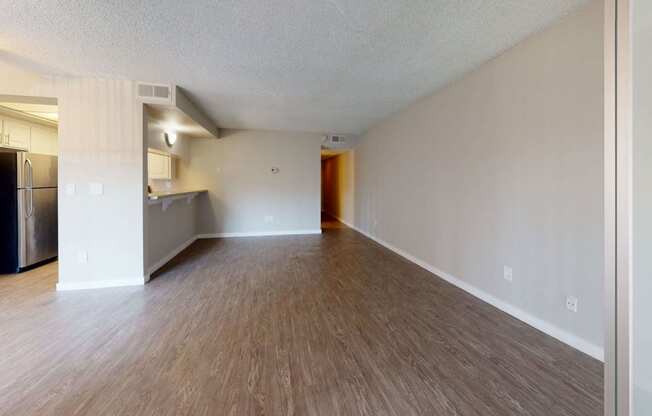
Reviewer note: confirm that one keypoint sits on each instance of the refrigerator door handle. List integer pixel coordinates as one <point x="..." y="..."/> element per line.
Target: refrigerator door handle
<point x="28" y="170"/>
<point x="30" y="173"/>
<point x="31" y="203"/>
<point x="26" y="203"/>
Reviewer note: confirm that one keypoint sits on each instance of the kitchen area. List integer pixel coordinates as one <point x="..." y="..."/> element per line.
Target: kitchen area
<point x="30" y="195"/>
<point x="173" y="190"/>
<point x="28" y="185"/>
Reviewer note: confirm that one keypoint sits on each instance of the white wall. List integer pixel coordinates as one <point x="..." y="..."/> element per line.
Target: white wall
<point x="236" y="169"/>
<point x="100" y="141"/>
<point x="503" y="167"/>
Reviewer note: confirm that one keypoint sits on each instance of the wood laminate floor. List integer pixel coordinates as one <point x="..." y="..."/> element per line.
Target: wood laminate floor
<point x="299" y="325"/>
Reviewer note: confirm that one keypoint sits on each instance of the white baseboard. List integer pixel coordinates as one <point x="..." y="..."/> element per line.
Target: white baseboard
<point x="554" y="331"/>
<point x="170" y="256"/>
<point x="259" y="233"/>
<point x="100" y="284"/>
<point x="141" y="281"/>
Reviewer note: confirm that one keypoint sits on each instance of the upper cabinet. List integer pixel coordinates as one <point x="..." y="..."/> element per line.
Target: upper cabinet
<point x="15" y="134"/>
<point x="160" y="165"/>
<point x="44" y="140"/>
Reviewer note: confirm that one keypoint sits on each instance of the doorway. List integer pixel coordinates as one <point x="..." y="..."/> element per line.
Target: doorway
<point x="28" y="181"/>
<point x="337" y="188"/>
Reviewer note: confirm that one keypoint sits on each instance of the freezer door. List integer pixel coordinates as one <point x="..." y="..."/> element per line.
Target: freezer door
<point x="37" y="225"/>
<point x="36" y="171"/>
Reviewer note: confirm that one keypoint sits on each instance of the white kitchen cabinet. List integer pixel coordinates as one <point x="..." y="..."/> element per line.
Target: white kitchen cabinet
<point x="16" y="134"/>
<point x="159" y="165"/>
<point x="44" y="140"/>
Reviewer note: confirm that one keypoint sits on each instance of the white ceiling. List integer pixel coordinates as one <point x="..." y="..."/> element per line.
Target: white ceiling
<point x="323" y="66"/>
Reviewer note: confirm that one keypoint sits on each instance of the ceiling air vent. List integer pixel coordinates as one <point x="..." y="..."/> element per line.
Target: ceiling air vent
<point x="336" y="139"/>
<point x="159" y="92"/>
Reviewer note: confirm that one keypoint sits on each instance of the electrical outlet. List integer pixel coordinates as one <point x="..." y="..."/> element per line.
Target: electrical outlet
<point x="571" y="303"/>
<point x="508" y="273"/>
<point x="269" y="219"/>
<point x="82" y="257"/>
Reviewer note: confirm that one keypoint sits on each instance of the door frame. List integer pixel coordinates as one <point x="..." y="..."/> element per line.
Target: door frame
<point x="618" y="155"/>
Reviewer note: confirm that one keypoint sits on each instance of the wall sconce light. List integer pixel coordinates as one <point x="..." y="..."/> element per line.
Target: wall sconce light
<point x="170" y="138"/>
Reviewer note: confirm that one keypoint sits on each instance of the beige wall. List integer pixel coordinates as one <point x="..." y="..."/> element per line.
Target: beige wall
<point x="236" y="169"/>
<point x="100" y="141"/>
<point x="19" y="80"/>
<point x="503" y="167"/>
<point x="181" y="156"/>
<point x="170" y="230"/>
<point x="338" y="184"/>
<point x="155" y="140"/>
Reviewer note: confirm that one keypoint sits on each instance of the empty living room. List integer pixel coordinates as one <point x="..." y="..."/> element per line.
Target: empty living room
<point x="335" y="208"/>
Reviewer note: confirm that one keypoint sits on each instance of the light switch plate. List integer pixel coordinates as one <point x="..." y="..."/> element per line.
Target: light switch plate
<point x="82" y="257"/>
<point x="96" y="188"/>
<point x="71" y="189"/>
<point x="508" y="273"/>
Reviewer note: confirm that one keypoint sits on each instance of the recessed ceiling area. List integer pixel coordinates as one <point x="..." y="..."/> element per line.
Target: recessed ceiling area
<point x="319" y="66"/>
<point x="170" y="118"/>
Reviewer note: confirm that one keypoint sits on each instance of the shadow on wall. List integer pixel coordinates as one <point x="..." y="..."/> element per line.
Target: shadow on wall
<point x="210" y="209"/>
<point x="29" y="64"/>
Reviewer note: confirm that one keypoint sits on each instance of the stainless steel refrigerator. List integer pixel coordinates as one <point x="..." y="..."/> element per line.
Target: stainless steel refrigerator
<point x="28" y="199"/>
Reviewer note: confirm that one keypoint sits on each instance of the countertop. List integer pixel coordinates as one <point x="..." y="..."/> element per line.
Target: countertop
<point x="153" y="196"/>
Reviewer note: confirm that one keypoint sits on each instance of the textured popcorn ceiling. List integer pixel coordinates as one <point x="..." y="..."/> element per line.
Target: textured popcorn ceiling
<point x="323" y="66"/>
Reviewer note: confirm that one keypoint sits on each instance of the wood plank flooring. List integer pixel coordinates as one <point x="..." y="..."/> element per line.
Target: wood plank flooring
<point x="299" y="325"/>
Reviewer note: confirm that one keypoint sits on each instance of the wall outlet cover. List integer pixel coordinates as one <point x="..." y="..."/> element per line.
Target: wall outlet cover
<point x="96" y="188"/>
<point x="82" y="257"/>
<point x="269" y="219"/>
<point x="508" y="273"/>
<point x="571" y="303"/>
